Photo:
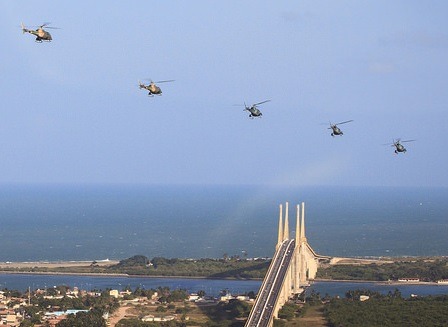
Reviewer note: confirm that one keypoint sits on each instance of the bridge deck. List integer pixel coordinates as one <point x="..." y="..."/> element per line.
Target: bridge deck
<point x="262" y="312"/>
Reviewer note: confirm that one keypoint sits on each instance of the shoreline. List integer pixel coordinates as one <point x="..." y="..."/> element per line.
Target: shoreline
<point x="56" y="264"/>
<point x="69" y="268"/>
<point x="112" y="275"/>
<point x="379" y="282"/>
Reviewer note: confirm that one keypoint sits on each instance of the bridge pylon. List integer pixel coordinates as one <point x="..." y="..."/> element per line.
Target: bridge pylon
<point x="293" y="265"/>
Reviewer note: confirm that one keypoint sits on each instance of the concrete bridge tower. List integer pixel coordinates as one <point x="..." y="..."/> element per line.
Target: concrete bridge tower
<point x="292" y="266"/>
<point x="305" y="263"/>
<point x="308" y="259"/>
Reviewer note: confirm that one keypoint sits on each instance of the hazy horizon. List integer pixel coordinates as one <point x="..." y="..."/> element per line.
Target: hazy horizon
<point x="87" y="223"/>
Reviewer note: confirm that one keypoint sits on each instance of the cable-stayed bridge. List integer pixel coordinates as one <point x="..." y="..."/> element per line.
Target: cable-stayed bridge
<point x="293" y="265"/>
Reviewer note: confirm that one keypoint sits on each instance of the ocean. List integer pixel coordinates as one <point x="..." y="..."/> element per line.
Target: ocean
<point x="66" y="222"/>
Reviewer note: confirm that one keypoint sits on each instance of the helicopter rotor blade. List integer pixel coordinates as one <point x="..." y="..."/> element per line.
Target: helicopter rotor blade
<point x="344" y="122"/>
<point x="46" y="26"/>
<point x="170" y="80"/>
<point x="256" y="104"/>
<point x="408" y="141"/>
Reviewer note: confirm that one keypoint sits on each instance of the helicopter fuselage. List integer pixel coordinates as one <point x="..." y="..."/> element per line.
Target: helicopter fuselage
<point x="152" y="88"/>
<point x="254" y="112"/>
<point x="41" y="34"/>
<point x="336" y="131"/>
<point x="399" y="148"/>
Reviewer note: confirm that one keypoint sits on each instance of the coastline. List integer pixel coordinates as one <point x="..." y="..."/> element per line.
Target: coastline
<point x="83" y="268"/>
<point x="319" y="280"/>
<point x="56" y="264"/>
<point x="17" y="268"/>
<point x="112" y="275"/>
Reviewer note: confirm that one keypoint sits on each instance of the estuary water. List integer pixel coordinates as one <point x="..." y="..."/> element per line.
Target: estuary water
<point x="211" y="287"/>
<point x="51" y="223"/>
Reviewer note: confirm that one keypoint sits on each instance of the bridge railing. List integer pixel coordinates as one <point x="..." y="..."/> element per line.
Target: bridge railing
<point x="268" y="294"/>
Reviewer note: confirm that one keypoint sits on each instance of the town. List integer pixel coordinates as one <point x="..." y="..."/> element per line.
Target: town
<point x="65" y="306"/>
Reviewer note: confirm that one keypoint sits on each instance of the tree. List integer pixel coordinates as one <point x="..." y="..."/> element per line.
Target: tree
<point x="93" y="318"/>
<point x="288" y="311"/>
<point x="26" y="323"/>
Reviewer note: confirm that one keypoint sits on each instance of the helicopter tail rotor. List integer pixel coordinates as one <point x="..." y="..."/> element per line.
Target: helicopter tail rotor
<point x="245" y="106"/>
<point x="24" y="30"/>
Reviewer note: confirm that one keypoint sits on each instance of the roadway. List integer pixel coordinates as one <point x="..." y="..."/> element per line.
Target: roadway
<point x="263" y="310"/>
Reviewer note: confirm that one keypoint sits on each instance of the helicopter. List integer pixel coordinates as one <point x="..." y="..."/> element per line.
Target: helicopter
<point x="152" y="88"/>
<point x="254" y="111"/>
<point x="40" y="33"/>
<point x="398" y="146"/>
<point x="335" y="129"/>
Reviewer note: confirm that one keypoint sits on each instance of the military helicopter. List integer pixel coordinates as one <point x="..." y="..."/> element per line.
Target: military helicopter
<point x="254" y="111"/>
<point x="335" y="129"/>
<point x="152" y="88"/>
<point x="40" y="33"/>
<point x="398" y="146"/>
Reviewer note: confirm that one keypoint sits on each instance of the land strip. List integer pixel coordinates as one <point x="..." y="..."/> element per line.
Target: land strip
<point x="386" y="270"/>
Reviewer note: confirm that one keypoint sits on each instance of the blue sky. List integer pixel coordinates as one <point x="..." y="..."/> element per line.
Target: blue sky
<point x="72" y="111"/>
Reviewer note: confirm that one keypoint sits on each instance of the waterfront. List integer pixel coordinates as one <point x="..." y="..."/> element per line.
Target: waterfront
<point x="339" y="288"/>
<point x="212" y="287"/>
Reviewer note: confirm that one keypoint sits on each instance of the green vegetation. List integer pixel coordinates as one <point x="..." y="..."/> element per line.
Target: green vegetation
<point x="232" y="313"/>
<point x="229" y="267"/>
<point x="42" y="301"/>
<point x="358" y="308"/>
<point x="426" y="269"/>
<point x="135" y="322"/>
<point x="210" y="268"/>
<point x="288" y="311"/>
<point x="92" y="319"/>
<point x="225" y="314"/>
<point x="376" y="310"/>
<point x="387" y="310"/>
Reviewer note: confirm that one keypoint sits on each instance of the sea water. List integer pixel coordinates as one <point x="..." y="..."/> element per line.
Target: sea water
<point x="50" y="223"/>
